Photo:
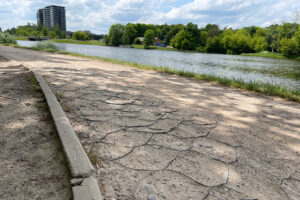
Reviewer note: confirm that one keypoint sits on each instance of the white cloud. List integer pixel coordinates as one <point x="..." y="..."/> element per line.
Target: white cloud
<point x="98" y="15"/>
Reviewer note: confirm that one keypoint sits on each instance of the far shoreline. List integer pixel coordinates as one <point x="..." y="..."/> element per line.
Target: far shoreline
<point x="264" y="54"/>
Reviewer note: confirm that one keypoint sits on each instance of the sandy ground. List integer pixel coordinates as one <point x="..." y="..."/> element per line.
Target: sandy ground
<point x="158" y="136"/>
<point x="32" y="164"/>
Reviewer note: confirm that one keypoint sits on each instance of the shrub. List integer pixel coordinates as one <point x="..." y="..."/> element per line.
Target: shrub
<point x="46" y="45"/>
<point x="137" y="41"/>
<point x="288" y="47"/>
<point x="201" y="49"/>
<point x="81" y="36"/>
<point x="6" y="38"/>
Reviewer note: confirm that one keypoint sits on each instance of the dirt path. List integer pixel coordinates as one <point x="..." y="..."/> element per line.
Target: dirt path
<point x="32" y="164"/>
<point x="156" y="136"/>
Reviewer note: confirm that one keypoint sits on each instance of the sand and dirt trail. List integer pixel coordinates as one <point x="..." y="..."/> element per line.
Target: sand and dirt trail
<point x="157" y="136"/>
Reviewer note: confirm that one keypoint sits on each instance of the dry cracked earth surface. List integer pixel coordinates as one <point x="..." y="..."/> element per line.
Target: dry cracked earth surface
<point x="157" y="136"/>
<point x="32" y="163"/>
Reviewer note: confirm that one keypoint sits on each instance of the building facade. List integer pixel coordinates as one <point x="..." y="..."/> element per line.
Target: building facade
<point x="52" y="16"/>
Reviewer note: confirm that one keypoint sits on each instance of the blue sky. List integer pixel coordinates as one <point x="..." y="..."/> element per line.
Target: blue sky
<point x="98" y="15"/>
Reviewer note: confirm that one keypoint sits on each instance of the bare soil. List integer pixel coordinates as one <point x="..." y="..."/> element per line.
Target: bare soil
<point x="157" y="136"/>
<point x="32" y="163"/>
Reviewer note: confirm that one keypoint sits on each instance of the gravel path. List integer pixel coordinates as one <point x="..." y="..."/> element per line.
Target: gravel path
<point x="156" y="136"/>
<point x="32" y="164"/>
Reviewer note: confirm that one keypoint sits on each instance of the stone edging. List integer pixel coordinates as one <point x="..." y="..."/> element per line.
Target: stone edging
<point x="84" y="184"/>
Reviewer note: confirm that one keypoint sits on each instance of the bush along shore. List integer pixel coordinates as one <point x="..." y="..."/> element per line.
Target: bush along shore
<point x="6" y="38"/>
<point x="266" y="88"/>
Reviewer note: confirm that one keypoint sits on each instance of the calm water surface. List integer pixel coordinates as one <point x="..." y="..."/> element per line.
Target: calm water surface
<point x="267" y="70"/>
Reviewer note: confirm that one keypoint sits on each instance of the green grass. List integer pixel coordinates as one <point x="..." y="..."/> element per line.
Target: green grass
<point x="46" y="46"/>
<point x="88" y="42"/>
<point x="265" y="88"/>
<point x="33" y="80"/>
<point x="93" y="156"/>
<point x="139" y="46"/>
<point x="21" y="38"/>
<point x="267" y="54"/>
<point x="6" y="38"/>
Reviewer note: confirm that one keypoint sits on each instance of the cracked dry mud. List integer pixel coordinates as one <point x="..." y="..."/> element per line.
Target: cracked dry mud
<point x="166" y="137"/>
<point x="32" y="164"/>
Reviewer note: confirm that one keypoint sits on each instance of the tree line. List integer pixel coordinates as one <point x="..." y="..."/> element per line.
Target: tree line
<point x="32" y="30"/>
<point x="283" y="38"/>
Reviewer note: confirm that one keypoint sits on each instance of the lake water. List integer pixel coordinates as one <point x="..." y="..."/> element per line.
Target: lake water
<point x="266" y="70"/>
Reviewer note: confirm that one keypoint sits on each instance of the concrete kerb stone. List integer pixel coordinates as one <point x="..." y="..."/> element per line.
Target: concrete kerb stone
<point x="78" y="161"/>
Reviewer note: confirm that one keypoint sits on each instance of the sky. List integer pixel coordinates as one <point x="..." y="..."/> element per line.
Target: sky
<point x="98" y="15"/>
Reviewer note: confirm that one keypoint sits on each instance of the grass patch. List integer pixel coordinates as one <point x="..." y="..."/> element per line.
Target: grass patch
<point x="265" y="88"/>
<point x="33" y="80"/>
<point x="35" y="84"/>
<point x="267" y="54"/>
<point x="21" y="38"/>
<point x="58" y="95"/>
<point x="93" y="157"/>
<point x="88" y="42"/>
<point x="66" y="108"/>
<point x="139" y="46"/>
<point x="47" y="46"/>
<point x="6" y="38"/>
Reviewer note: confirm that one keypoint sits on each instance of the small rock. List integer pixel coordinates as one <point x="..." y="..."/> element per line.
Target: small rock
<point x="76" y="181"/>
<point x="84" y="135"/>
<point x="27" y="104"/>
<point x="152" y="197"/>
<point x="148" y="189"/>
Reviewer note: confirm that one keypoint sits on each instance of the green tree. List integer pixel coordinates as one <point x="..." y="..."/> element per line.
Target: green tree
<point x="125" y="38"/>
<point x="78" y="35"/>
<point x="212" y="30"/>
<point x="188" y="38"/>
<point x="115" y="34"/>
<point x="159" y="33"/>
<point x="106" y="39"/>
<point x="174" y="30"/>
<point x="288" y="47"/>
<point x="44" y="31"/>
<point x="214" y="45"/>
<point x="272" y="38"/>
<point x="287" y="30"/>
<point x="176" y="42"/>
<point x="137" y="41"/>
<point x="297" y="40"/>
<point x="149" y="36"/>
<point x="131" y="32"/>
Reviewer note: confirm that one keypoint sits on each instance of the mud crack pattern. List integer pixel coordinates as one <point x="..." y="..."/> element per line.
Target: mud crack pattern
<point x="159" y="136"/>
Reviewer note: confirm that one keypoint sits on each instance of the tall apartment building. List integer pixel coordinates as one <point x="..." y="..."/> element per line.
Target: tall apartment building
<point x="52" y="16"/>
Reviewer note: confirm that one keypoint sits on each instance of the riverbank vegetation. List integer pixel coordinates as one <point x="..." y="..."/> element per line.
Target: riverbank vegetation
<point x="6" y="38"/>
<point x="270" y="89"/>
<point x="32" y="30"/>
<point x="267" y="54"/>
<point x="87" y="42"/>
<point x="46" y="46"/>
<point x="279" y="38"/>
<point x="284" y="38"/>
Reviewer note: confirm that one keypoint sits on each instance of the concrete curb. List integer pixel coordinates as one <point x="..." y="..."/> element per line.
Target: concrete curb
<point x="84" y="184"/>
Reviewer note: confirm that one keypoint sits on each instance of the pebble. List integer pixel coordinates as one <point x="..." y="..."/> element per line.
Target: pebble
<point x="148" y="189"/>
<point x="152" y="197"/>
